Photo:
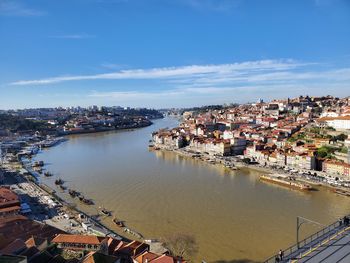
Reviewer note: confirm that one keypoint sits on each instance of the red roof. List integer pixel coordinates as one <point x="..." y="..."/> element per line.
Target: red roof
<point x="7" y="197"/>
<point x="166" y="259"/>
<point x="80" y="239"/>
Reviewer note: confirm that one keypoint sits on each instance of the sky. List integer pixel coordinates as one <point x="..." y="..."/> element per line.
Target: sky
<point x="171" y="53"/>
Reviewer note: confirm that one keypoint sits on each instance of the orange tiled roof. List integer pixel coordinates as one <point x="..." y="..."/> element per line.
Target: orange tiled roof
<point x="146" y="256"/>
<point x="11" y="208"/>
<point x="166" y="259"/>
<point x="7" y="196"/>
<point x="334" y="118"/>
<point x="81" y="239"/>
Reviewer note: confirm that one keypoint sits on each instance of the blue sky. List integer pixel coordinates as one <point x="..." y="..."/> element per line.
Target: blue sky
<point x="171" y="53"/>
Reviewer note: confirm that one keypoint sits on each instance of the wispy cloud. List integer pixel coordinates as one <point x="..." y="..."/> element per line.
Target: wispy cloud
<point x="182" y="72"/>
<point x="73" y="36"/>
<point x="16" y="8"/>
<point x="112" y="66"/>
<point x="217" y="83"/>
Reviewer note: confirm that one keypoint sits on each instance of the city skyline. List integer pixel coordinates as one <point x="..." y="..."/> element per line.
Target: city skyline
<point x="170" y="53"/>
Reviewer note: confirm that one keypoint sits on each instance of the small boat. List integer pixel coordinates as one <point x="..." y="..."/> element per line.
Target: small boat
<point x="38" y="169"/>
<point x="106" y="212"/>
<point x="48" y="174"/>
<point x="119" y="223"/>
<point x="85" y="200"/>
<point x="73" y="193"/>
<point x="59" y="181"/>
<point x="38" y="164"/>
<point x="62" y="187"/>
<point x="132" y="232"/>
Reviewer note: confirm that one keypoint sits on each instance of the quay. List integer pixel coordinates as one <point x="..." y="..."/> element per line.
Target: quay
<point x="329" y="245"/>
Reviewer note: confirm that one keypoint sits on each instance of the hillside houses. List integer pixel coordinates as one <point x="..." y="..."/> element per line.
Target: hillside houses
<point x="283" y="133"/>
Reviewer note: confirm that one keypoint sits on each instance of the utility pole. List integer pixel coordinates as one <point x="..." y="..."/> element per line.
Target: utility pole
<point x="301" y="221"/>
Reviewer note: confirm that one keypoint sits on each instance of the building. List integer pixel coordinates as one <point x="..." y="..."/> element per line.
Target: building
<point x="338" y="123"/>
<point x="336" y="168"/>
<point x="9" y="202"/>
<point x="211" y="146"/>
<point x="301" y="161"/>
<point x="80" y="242"/>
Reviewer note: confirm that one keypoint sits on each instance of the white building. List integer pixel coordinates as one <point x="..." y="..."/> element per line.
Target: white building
<point x="338" y="123"/>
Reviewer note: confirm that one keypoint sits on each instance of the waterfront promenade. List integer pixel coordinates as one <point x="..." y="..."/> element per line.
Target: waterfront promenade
<point x="329" y="245"/>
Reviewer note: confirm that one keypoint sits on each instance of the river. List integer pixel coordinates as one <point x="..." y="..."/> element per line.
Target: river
<point x="231" y="214"/>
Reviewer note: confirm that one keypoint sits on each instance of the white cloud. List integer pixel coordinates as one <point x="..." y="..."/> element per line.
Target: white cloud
<point x="197" y="71"/>
<point x="220" y="83"/>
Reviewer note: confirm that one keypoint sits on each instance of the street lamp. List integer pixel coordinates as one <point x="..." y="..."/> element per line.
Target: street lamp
<point x="301" y="221"/>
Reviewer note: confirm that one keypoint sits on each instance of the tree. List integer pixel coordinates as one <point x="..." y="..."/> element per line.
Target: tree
<point x="181" y="245"/>
<point x="341" y="137"/>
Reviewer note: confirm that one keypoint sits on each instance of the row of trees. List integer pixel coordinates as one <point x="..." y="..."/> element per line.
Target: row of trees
<point x="17" y="123"/>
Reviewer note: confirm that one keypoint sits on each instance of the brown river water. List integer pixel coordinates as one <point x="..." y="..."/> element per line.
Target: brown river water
<point x="232" y="214"/>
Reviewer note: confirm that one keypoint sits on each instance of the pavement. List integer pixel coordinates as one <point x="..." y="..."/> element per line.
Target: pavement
<point x="334" y="249"/>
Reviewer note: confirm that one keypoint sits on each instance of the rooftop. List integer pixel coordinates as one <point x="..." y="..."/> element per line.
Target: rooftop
<point x="81" y="239"/>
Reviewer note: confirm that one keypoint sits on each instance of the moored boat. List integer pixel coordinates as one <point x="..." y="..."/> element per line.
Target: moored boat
<point x="48" y="174"/>
<point x="119" y="223"/>
<point x="38" y="164"/>
<point x="73" y="193"/>
<point x="62" y="187"/>
<point x="59" y="181"/>
<point x="106" y="212"/>
<point x="85" y="200"/>
<point x="285" y="182"/>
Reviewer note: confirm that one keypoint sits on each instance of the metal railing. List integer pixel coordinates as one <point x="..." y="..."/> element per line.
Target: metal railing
<point x="307" y="243"/>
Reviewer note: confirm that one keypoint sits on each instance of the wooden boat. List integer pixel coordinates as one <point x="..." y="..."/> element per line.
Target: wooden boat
<point x="287" y="183"/>
<point x="38" y="169"/>
<point x="132" y="232"/>
<point x="119" y="223"/>
<point x="38" y="164"/>
<point x="106" y="212"/>
<point x="73" y="193"/>
<point x="59" y="181"/>
<point x="62" y="187"/>
<point x="48" y="174"/>
<point x="85" y="200"/>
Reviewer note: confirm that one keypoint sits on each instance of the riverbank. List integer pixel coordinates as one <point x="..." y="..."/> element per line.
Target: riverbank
<point x="67" y="212"/>
<point x="60" y="213"/>
<point x="65" y="215"/>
